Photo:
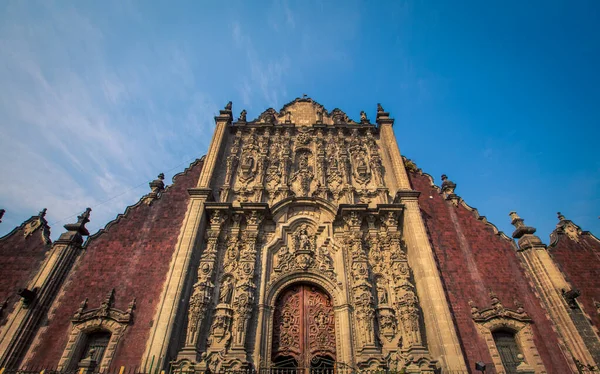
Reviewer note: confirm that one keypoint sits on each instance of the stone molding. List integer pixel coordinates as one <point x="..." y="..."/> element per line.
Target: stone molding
<point x="103" y="318"/>
<point x="518" y="322"/>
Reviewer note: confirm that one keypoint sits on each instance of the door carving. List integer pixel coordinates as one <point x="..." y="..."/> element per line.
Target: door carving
<point x="303" y="327"/>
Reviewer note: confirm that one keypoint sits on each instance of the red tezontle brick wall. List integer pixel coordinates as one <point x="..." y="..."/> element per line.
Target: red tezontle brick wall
<point x="580" y="262"/>
<point x="20" y="258"/>
<point x="133" y="257"/>
<point x="474" y="261"/>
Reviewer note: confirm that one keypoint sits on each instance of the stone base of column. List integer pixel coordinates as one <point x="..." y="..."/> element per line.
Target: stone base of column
<point x="189" y="353"/>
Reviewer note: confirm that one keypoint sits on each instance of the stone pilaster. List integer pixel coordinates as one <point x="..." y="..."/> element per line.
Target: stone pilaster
<point x="390" y="148"/>
<point x="161" y="347"/>
<point x="551" y="285"/>
<point x="203" y="288"/>
<point x="441" y="333"/>
<point x="41" y="291"/>
<point x="362" y="289"/>
<point x="245" y="294"/>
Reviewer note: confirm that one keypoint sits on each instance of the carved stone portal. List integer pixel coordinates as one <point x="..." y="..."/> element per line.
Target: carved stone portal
<point x="303" y="327"/>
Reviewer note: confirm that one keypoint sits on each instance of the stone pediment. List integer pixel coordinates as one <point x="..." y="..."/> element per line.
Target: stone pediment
<point x="303" y="112"/>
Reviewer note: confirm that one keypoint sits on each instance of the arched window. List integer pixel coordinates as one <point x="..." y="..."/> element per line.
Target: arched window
<point x="508" y="349"/>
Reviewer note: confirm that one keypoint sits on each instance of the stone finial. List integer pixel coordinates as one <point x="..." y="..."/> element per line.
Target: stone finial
<point x="494" y="298"/>
<point x="108" y="302"/>
<point x="448" y="188"/>
<point x="515" y="217"/>
<point x="383" y="117"/>
<point x="363" y="117"/>
<point x="242" y="117"/>
<point x="447" y="185"/>
<point x="519" y="306"/>
<point x="156" y="187"/>
<point x="524" y="233"/>
<point x="560" y="216"/>
<point x="81" y="309"/>
<point x="474" y="308"/>
<point x="79" y="227"/>
<point x="131" y="307"/>
<point x="43" y="213"/>
<point x="2" y="211"/>
<point x="521" y="228"/>
<point x="225" y="116"/>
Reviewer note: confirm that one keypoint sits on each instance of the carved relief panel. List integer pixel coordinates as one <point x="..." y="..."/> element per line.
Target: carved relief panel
<point x="386" y="308"/>
<point x="304" y="151"/>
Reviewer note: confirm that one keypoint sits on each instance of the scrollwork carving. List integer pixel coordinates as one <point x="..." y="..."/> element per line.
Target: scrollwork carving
<point x="303" y="255"/>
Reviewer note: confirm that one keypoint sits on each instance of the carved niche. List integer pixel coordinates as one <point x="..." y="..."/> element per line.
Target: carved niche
<point x="301" y="253"/>
<point x="303" y="174"/>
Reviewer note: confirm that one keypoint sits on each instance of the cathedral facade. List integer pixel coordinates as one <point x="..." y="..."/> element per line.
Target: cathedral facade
<point x="303" y="239"/>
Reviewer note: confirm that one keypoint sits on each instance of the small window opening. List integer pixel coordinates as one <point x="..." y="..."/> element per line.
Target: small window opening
<point x="96" y="341"/>
<point x="508" y="350"/>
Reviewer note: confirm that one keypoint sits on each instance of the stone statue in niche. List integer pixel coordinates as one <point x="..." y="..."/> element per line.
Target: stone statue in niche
<point x="226" y="292"/>
<point x="304" y="239"/>
<point x="303" y="176"/>
<point x="382" y="293"/>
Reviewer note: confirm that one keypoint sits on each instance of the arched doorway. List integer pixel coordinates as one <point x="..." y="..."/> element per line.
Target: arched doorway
<point x="303" y="328"/>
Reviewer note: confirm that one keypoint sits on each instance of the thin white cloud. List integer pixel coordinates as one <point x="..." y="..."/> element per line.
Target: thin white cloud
<point x="71" y="132"/>
<point x="267" y="74"/>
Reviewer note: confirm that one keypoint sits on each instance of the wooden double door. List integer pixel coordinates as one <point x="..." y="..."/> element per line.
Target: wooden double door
<point x="303" y="328"/>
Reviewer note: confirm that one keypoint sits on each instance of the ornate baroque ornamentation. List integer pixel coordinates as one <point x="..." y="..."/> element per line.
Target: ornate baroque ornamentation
<point x="498" y="317"/>
<point x="85" y="321"/>
<point x="303" y="255"/>
<point x="270" y="161"/>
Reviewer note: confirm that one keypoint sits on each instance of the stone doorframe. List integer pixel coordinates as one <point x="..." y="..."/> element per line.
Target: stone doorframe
<point x="343" y="336"/>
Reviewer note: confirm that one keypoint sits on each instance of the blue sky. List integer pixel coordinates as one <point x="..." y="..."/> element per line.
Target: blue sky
<point x="99" y="97"/>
